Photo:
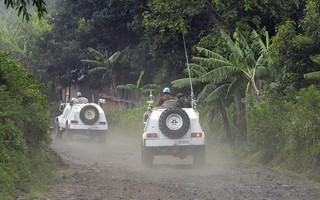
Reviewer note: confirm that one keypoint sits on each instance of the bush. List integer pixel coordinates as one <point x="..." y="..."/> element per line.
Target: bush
<point x="127" y="122"/>
<point x="24" y="131"/>
<point x="285" y="130"/>
<point x="265" y="128"/>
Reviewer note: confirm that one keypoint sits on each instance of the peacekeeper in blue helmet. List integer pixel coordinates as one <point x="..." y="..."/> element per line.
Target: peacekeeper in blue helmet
<point x="165" y="97"/>
<point x="81" y="99"/>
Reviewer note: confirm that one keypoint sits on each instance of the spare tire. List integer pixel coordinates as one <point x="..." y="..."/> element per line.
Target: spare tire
<point x="174" y="122"/>
<point x="89" y="114"/>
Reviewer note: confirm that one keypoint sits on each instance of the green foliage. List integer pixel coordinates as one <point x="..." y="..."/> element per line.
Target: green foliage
<point x="247" y="62"/>
<point x="224" y="77"/>
<point x="295" y="45"/>
<point x="285" y="130"/>
<point x="22" y="7"/>
<point x="313" y="75"/>
<point x="173" y="15"/>
<point x="139" y="79"/>
<point x="265" y="127"/>
<point x="24" y="130"/>
<point x="256" y="14"/>
<point x="129" y="121"/>
<point x="101" y="68"/>
<point x="19" y="39"/>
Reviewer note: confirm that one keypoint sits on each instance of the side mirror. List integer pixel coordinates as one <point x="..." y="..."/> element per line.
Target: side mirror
<point x="146" y="117"/>
<point x="61" y="107"/>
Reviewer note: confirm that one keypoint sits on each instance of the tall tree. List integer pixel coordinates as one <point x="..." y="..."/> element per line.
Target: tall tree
<point x="294" y="45"/>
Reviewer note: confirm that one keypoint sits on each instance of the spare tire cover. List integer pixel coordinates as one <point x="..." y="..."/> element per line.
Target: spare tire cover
<point x="174" y="122"/>
<point x="89" y="114"/>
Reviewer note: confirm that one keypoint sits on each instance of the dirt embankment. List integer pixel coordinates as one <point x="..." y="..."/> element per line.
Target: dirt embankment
<point x="113" y="171"/>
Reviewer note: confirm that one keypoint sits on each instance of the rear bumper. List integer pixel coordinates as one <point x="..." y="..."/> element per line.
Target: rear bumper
<point x="86" y="131"/>
<point x="174" y="143"/>
<point x="176" y="151"/>
<point x="88" y="128"/>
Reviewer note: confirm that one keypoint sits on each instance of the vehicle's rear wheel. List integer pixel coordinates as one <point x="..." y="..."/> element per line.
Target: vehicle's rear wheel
<point x="146" y="157"/>
<point x="89" y="114"/>
<point x="58" y="131"/>
<point x="69" y="136"/>
<point x="199" y="156"/>
<point x="68" y="133"/>
<point x="174" y="122"/>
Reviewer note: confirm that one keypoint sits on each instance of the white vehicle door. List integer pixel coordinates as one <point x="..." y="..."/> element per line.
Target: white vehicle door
<point x="63" y="118"/>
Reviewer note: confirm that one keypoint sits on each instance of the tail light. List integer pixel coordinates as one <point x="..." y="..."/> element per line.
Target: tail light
<point x="196" y="135"/>
<point x="74" y="121"/>
<point x="152" y="135"/>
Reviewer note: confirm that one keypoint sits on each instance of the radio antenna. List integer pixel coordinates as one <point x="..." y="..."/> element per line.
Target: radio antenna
<point x="189" y="72"/>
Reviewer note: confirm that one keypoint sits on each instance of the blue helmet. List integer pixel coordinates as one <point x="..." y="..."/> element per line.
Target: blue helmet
<point x="79" y="94"/>
<point x="166" y="90"/>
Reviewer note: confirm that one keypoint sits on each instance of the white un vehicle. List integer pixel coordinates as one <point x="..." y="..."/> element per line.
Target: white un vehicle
<point x="172" y="130"/>
<point x="81" y="118"/>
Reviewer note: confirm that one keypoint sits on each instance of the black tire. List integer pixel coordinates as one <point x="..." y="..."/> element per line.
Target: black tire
<point x="146" y="157"/>
<point x="174" y="122"/>
<point x="199" y="156"/>
<point x="89" y="114"/>
<point x="58" y="131"/>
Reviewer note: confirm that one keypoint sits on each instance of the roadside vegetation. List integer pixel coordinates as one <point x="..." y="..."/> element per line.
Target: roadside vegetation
<point x="25" y="153"/>
<point x="283" y="132"/>
<point x="254" y="67"/>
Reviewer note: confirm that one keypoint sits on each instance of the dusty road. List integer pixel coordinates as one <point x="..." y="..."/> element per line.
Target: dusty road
<point x="113" y="171"/>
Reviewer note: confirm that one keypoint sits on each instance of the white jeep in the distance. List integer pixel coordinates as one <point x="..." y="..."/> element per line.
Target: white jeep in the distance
<point x="175" y="131"/>
<point x="81" y="118"/>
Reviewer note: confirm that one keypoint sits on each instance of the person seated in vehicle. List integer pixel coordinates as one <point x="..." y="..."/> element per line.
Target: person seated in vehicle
<point x="81" y="99"/>
<point x="165" y="97"/>
<point x="181" y="101"/>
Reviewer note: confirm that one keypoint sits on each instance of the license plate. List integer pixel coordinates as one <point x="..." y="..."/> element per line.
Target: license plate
<point x="93" y="127"/>
<point x="183" y="142"/>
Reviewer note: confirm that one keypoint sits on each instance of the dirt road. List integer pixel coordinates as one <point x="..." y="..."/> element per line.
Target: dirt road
<point x="113" y="171"/>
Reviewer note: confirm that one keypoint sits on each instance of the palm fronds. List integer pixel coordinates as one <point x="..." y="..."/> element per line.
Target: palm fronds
<point x="312" y="76"/>
<point x="184" y="82"/>
<point x="92" y="63"/>
<point x="220" y="75"/>
<point x="316" y="58"/>
<point x="211" y="92"/>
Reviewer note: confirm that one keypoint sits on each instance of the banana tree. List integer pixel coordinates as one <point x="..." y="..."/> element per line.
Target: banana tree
<point x="211" y="93"/>
<point x="132" y="89"/>
<point x="243" y="67"/>
<point x="237" y="74"/>
<point x="101" y="68"/>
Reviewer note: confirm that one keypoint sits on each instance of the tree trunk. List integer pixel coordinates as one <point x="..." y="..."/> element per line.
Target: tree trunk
<point x="212" y="14"/>
<point x="240" y="116"/>
<point x="256" y="90"/>
<point x="226" y="123"/>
